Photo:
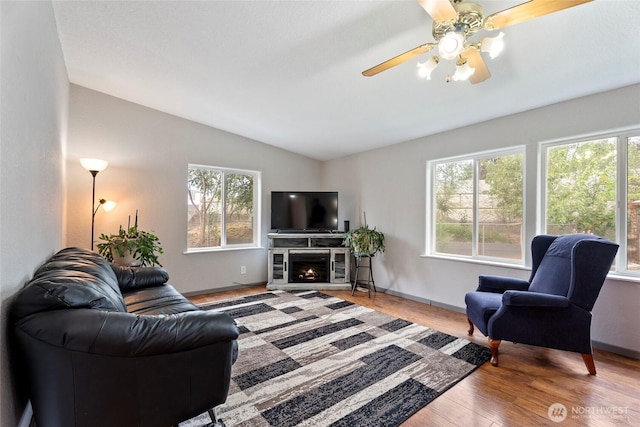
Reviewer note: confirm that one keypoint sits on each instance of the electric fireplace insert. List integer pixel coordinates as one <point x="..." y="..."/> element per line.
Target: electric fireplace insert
<point x="306" y="267"/>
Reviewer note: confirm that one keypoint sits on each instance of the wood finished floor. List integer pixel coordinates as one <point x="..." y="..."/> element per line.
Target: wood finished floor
<point x="519" y="391"/>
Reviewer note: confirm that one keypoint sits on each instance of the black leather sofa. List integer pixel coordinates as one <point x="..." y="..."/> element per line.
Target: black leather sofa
<point x="104" y="345"/>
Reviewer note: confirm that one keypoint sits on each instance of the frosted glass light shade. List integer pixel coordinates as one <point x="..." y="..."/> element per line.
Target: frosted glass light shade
<point x="451" y="45"/>
<point x="94" y="165"/>
<point x="426" y="68"/>
<point x="463" y="72"/>
<point x="493" y="45"/>
<point x="108" y="205"/>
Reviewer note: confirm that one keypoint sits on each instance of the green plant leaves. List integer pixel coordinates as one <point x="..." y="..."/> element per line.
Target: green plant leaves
<point x="365" y="241"/>
<point x="143" y="245"/>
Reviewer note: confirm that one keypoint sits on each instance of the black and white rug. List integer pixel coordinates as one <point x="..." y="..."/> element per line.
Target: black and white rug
<point x="309" y="359"/>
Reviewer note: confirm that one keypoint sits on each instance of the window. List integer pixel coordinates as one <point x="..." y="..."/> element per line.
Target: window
<point x="223" y="208"/>
<point x="476" y="206"/>
<point x="581" y="188"/>
<point x="585" y="181"/>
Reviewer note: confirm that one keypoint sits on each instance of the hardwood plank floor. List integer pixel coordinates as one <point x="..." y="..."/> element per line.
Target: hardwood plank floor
<point x="520" y="391"/>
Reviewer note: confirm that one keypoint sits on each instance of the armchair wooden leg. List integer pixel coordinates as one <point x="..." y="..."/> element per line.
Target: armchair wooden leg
<point x="589" y="363"/>
<point x="493" y="345"/>
<point x="470" y="331"/>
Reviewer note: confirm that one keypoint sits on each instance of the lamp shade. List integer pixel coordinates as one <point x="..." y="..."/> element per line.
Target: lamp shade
<point x="451" y="45"/>
<point x="426" y="68"/>
<point x="94" y="165"/>
<point x="463" y="71"/>
<point x="493" y="45"/>
<point x="108" y="205"/>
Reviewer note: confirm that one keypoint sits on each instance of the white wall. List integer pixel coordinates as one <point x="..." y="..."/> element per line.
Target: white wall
<point x="34" y="92"/>
<point x="390" y="185"/>
<point x="148" y="153"/>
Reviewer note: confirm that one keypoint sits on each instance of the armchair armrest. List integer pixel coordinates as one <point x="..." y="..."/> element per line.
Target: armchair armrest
<point x="130" y="278"/>
<point x="534" y="300"/>
<point x="500" y="284"/>
<point x="121" y="334"/>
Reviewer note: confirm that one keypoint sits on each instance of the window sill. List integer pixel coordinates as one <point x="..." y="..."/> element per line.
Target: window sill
<point x="611" y="276"/>
<point x="478" y="261"/>
<point x="225" y="249"/>
<point x="623" y="278"/>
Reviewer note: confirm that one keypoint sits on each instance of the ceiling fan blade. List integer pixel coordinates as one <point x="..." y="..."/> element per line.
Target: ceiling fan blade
<point x="475" y="60"/>
<point x="439" y="10"/>
<point x="529" y="10"/>
<point x="397" y="60"/>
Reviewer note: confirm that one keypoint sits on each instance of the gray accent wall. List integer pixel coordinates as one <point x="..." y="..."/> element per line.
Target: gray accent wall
<point x="389" y="184"/>
<point x="33" y="124"/>
<point x="149" y="153"/>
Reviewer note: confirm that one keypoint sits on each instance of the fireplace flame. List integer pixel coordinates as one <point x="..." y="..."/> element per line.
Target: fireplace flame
<point x="309" y="274"/>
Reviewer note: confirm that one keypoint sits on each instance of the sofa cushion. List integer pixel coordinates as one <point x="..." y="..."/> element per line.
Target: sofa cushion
<point x="163" y="299"/>
<point x="481" y="306"/>
<point x="72" y="278"/>
<point x="130" y="278"/>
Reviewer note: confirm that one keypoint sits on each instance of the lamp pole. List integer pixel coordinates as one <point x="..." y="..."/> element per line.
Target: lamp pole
<point x="93" y="203"/>
<point x="93" y="166"/>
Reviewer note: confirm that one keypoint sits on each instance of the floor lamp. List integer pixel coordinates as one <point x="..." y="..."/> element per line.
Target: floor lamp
<point x="94" y="166"/>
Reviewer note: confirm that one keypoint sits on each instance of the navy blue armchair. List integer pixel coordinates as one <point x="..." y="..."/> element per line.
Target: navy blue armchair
<point x="553" y="308"/>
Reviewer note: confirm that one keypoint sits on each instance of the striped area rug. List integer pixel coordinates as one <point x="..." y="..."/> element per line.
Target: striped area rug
<point x="310" y="359"/>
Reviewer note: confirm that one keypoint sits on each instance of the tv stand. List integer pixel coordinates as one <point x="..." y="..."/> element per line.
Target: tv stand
<point x="308" y="261"/>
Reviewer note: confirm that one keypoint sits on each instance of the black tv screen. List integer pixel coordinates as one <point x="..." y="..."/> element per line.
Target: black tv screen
<point x="304" y="210"/>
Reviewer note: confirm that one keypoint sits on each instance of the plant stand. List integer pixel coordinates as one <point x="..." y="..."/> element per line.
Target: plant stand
<point x="369" y="280"/>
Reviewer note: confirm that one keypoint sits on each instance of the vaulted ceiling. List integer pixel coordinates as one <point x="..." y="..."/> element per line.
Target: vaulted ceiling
<point x="288" y="73"/>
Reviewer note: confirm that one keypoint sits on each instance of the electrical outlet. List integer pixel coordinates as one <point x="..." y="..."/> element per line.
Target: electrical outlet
<point x="243" y="269"/>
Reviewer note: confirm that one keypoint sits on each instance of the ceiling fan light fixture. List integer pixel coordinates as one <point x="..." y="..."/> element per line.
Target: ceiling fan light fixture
<point x="451" y="45"/>
<point x="463" y="71"/>
<point x="426" y="68"/>
<point x="493" y="45"/>
<point x="455" y="24"/>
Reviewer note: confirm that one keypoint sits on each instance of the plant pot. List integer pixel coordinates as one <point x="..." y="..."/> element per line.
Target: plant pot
<point x="125" y="261"/>
<point x="359" y="251"/>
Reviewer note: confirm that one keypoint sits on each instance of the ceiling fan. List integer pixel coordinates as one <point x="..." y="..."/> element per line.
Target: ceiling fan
<point x="455" y="22"/>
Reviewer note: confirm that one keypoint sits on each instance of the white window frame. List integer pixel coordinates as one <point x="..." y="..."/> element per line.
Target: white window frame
<point x="621" y="135"/>
<point x="257" y="209"/>
<point x="430" y="241"/>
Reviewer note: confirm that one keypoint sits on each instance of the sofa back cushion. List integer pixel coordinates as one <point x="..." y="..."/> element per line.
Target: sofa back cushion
<point x="72" y="278"/>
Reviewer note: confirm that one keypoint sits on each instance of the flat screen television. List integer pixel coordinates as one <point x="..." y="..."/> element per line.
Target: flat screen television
<point x="304" y="210"/>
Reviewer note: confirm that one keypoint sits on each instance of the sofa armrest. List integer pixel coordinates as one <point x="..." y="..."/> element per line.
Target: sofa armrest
<point x="139" y="277"/>
<point x="119" y="369"/>
<point x="500" y="284"/>
<point x="534" y="300"/>
<point x="128" y="335"/>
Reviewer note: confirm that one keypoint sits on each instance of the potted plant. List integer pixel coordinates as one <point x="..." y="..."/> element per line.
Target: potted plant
<point x="131" y="247"/>
<point x="365" y="241"/>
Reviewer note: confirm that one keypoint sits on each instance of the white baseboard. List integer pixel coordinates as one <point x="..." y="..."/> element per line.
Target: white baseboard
<point x="627" y="352"/>
<point x="634" y="354"/>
